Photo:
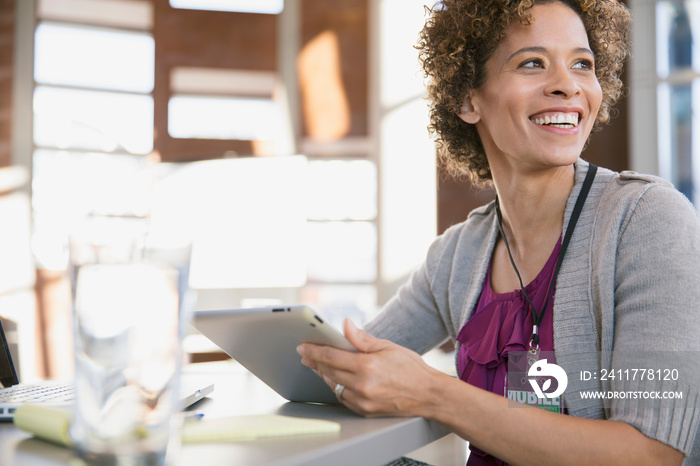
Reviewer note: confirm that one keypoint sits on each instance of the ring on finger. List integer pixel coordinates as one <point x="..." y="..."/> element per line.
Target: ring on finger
<point x="339" y="390"/>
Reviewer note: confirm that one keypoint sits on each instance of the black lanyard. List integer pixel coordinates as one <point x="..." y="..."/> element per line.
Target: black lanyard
<point x="580" y="201"/>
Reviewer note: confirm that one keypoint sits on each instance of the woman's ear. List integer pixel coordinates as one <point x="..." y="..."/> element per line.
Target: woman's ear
<point x="468" y="113"/>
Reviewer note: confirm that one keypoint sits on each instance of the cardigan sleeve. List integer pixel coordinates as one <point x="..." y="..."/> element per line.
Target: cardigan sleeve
<point x="657" y="317"/>
<point x="411" y="318"/>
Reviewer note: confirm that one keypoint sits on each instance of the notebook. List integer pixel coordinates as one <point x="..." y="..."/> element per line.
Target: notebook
<point x="14" y="394"/>
<point x="53" y="423"/>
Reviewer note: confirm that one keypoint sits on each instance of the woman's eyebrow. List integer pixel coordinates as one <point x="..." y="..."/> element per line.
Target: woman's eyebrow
<point x="538" y="49"/>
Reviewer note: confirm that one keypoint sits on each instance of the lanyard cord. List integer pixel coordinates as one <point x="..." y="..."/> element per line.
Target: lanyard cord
<point x="580" y="201"/>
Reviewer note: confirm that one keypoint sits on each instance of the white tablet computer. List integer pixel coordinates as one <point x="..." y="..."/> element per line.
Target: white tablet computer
<point x="264" y="341"/>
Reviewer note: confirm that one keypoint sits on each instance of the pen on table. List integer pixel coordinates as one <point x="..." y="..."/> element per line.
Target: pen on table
<point x="193" y="416"/>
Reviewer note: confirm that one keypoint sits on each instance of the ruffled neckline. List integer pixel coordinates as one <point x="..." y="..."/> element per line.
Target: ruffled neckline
<point x="502" y="322"/>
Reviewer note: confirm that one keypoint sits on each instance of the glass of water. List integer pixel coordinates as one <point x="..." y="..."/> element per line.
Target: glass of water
<point x="129" y="301"/>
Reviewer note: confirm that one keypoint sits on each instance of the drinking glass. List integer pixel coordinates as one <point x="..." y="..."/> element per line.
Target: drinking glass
<point x="129" y="297"/>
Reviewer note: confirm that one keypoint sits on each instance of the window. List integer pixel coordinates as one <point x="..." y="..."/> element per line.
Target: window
<point x="83" y="119"/>
<point x="246" y="216"/>
<point x="231" y="101"/>
<point x="665" y="92"/>
<point x="223" y="118"/>
<point x="342" y="238"/>
<point x="94" y="117"/>
<point x="93" y="126"/>
<point x="210" y="103"/>
<point x="92" y="57"/>
<point x="678" y="69"/>
<point x="245" y="6"/>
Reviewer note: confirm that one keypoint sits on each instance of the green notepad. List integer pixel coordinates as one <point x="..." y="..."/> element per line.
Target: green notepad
<point x="52" y="423"/>
<point x="45" y="422"/>
<point x="247" y="428"/>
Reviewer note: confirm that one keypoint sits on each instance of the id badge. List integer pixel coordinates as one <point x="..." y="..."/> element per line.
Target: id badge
<point x="532" y="380"/>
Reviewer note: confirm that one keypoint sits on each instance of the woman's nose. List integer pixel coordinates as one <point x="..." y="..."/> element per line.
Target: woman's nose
<point x="563" y="83"/>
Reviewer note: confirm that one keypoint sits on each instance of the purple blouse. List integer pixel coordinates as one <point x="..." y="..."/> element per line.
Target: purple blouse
<point x="502" y="322"/>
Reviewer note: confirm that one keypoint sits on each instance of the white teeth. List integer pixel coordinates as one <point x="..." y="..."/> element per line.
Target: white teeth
<point x="564" y="120"/>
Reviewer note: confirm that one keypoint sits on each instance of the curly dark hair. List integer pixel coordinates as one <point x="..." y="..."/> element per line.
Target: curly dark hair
<point x="461" y="35"/>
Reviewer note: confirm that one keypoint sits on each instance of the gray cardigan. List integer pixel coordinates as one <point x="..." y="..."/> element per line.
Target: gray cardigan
<point x="630" y="282"/>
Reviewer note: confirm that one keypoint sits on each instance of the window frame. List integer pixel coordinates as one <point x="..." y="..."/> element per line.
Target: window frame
<point x="647" y="111"/>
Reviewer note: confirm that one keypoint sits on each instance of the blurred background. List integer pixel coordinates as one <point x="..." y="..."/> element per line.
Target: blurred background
<point x="287" y="138"/>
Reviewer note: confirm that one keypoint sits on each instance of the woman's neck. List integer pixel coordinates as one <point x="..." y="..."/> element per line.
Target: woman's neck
<point x="532" y="206"/>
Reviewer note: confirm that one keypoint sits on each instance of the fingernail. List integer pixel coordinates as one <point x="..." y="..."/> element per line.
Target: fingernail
<point x="300" y="350"/>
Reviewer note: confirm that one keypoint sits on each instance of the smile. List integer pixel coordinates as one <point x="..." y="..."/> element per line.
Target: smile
<point x="558" y="120"/>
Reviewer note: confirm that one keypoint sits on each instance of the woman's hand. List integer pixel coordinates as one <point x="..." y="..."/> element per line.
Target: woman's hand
<point x="385" y="379"/>
<point x="382" y="379"/>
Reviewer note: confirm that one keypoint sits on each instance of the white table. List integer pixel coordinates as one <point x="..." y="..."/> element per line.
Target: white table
<point x="360" y="441"/>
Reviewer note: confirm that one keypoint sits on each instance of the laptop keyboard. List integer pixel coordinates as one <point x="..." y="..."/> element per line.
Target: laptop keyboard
<point x="37" y="393"/>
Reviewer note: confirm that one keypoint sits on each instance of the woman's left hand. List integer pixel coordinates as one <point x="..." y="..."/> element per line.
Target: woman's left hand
<point x="382" y="379"/>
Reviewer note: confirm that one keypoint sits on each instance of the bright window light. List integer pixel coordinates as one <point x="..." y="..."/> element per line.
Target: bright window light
<point x="244" y="6"/>
<point x="92" y="120"/>
<point x="223" y="118"/>
<point x="246" y="216"/>
<point x="69" y="185"/>
<point x="342" y="251"/>
<point x="341" y="301"/>
<point x="94" y="58"/>
<point x="342" y="190"/>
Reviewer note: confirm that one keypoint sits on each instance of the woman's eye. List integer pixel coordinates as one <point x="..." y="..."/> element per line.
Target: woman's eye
<point x="584" y="64"/>
<point x="533" y="63"/>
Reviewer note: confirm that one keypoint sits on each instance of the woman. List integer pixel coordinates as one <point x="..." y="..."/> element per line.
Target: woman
<point x="516" y="89"/>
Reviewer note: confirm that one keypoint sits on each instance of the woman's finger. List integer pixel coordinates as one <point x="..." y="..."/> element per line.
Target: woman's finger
<point x="362" y="340"/>
<point x="327" y="361"/>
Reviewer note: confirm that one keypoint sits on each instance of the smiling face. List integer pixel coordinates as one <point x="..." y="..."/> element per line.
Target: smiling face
<point x="541" y="96"/>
